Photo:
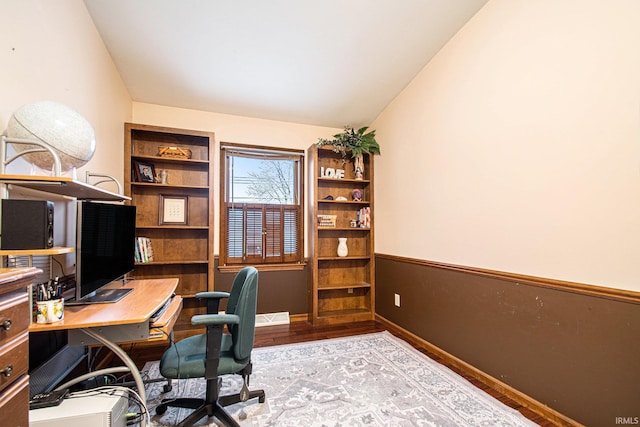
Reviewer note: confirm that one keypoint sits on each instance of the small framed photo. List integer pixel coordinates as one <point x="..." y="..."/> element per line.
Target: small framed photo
<point x="145" y="172"/>
<point x="174" y="210"/>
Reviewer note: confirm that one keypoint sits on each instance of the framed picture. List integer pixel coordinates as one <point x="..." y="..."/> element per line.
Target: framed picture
<point x="174" y="210"/>
<point x="145" y="172"/>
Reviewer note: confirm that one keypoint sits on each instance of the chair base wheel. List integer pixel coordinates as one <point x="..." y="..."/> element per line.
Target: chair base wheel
<point x="161" y="409"/>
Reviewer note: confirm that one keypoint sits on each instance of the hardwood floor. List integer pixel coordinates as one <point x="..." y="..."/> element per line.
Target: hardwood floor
<point x="304" y="331"/>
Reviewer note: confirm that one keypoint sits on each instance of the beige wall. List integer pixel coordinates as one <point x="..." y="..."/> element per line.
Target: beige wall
<point x="229" y="128"/>
<point x="50" y="50"/>
<point x="518" y="147"/>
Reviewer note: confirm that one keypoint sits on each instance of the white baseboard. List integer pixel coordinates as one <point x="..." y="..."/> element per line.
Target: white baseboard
<point x="269" y="319"/>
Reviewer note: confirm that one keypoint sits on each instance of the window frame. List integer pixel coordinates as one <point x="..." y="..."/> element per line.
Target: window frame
<point x="263" y="261"/>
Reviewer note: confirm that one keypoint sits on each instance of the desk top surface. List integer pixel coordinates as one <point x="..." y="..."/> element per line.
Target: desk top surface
<point x="136" y="307"/>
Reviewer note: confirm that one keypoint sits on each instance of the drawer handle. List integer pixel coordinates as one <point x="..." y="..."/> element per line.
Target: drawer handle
<point x="7" y="371"/>
<point x="6" y="325"/>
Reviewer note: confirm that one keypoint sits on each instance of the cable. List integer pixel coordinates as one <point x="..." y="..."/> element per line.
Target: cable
<point x="94" y="357"/>
<point x="92" y="374"/>
<point x="60" y="264"/>
<point x="123" y="356"/>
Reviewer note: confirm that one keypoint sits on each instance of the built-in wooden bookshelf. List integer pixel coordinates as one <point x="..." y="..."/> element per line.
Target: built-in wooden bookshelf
<point x="176" y="213"/>
<point x="342" y="288"/>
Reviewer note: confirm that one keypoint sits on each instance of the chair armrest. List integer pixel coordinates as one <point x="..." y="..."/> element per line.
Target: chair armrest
<point x="212" y="300"/>
<point x="215" y="294"/>
<point x="215" y="319"/>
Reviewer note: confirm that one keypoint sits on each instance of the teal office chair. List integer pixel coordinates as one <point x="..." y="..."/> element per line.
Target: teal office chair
<point x="216" y="353"/>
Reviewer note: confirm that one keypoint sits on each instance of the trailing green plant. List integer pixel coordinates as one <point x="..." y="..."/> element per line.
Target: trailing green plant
<point x="357" y="142"/>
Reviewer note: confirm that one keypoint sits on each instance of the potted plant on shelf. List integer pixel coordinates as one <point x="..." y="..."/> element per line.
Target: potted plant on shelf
<point x="357" y="142"/>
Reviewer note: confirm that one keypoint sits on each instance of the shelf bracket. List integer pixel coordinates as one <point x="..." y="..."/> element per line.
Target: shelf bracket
<point x="108" y="178"/>
<point x="44" y="147"/>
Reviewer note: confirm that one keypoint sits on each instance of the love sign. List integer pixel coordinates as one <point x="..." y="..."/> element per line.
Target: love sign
<point x="331" y="173"/>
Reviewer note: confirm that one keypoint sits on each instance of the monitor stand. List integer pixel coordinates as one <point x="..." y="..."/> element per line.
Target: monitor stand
<point x="102" y="296"/>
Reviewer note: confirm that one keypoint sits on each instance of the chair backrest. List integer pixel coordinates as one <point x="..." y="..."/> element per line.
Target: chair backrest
<point x="243" y="301"/>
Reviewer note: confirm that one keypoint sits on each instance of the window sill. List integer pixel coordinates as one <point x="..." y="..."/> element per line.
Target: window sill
<point x="234" y="268"/>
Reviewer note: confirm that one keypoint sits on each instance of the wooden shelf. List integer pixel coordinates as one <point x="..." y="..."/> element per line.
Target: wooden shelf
<point x="343" y="312"/>
<point x="345" y="202"/>
<point x="181" y="187"/>
<point x="332" y="181"/>
<point x="158" y="159"/>
<point x="344" y="229"/>
<point x="339" y="316"/>
<point x="180" y="250"/>
<point x="56" y="250"/>
<point x="172" y="227"/>
<point x="334" y="286"/>
<point x="174" y="262"/>
<point x="61" y="185"/>
<point x="342" y="289"/>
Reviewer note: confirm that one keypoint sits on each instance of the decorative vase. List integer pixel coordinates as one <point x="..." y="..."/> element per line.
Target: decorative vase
<point x="358" y="165"/>
<point x="342" y="246"/>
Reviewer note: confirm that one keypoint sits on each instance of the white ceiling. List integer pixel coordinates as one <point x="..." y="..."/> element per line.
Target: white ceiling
<point x="322" y="62"/>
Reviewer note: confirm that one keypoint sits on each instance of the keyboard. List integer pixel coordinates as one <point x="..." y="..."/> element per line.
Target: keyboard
<point x="161" y="310"/>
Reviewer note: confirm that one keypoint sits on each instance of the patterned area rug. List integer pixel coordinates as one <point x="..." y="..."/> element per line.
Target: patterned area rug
<point x="366" y="380"/>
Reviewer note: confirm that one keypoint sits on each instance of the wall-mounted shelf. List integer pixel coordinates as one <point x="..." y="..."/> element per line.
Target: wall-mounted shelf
<point x="56" y="250"/>
<point x="62" y="185"/>
<point x="30" y="253"/>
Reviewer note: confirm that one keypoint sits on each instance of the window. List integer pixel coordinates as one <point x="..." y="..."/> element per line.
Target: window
<point x="261" y="206"/>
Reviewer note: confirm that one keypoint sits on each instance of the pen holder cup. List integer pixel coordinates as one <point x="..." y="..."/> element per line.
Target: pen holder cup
<point x="50" y="311"/>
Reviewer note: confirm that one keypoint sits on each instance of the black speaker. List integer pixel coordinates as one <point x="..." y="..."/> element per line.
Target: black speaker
<point x="26" y="224"/>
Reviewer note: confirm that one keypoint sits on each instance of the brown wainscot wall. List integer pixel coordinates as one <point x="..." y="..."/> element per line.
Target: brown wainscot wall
<point x="278" y="291"/>
<point x="572" y="347"/>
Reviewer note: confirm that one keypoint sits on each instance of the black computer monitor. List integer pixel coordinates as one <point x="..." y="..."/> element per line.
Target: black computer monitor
<point x="105" y="249"/>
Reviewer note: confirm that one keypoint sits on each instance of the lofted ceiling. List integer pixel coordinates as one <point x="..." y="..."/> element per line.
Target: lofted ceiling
<point x="321" y="62"/>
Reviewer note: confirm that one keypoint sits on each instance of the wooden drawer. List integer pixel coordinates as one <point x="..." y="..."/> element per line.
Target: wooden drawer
<point x="14" y="315"/>
<point x="14" y="404"/>
<point x="14" y="360"/>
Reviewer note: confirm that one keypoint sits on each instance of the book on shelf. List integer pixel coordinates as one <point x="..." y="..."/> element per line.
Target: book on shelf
<point x="143" y="250"/>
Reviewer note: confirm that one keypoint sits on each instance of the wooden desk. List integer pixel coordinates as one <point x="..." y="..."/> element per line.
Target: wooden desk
<point x="136" y="307"/>
<point x="124" y="321"/>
